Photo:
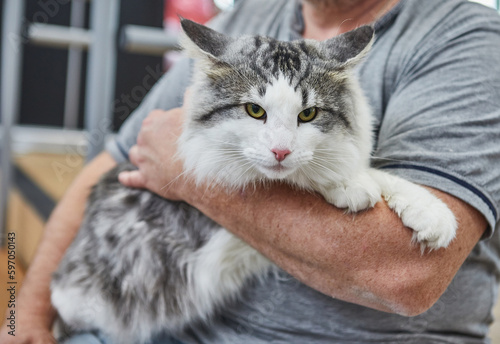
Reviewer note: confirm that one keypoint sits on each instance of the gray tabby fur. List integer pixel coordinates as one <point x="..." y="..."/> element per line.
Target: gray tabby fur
<point x="141" y="264"/>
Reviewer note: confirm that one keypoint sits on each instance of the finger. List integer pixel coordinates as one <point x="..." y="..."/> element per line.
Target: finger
<point x="187" y="94"/>
<point x="155" y="114"/>
<point x="150" y="118"/>
<point x="133" y="179"/>
<point x="133" y="155"/>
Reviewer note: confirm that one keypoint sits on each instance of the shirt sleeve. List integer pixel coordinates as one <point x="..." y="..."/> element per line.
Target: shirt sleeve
<point x="441" y="126"/>
<point x="167" y="94"/>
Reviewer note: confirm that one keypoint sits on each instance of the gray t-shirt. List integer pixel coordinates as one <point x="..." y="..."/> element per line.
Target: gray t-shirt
<point x="433" y="80"/>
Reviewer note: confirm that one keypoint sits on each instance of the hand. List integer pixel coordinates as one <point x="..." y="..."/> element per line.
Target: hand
<point x="27" y="331"/>
<point x="159" y="170"/>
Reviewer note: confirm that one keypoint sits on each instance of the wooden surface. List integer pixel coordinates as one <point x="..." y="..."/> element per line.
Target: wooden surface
<point x="25" y="222"/>
<point x="53" y="173"/>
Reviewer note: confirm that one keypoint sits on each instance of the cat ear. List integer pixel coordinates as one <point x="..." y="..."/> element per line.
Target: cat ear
<point x="199" y="38"/>
<point x="350" y="47"/>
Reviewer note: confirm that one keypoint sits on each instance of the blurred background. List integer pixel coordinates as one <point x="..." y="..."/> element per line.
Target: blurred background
<point x="71" y="72"/>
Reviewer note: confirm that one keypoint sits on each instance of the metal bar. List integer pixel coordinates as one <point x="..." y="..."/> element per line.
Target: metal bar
<point x="58" y="36"/>
<point x="13" y="14"/>
<point x="147" y="40"/>
<point x="28" y="139"/>
<point x="101" y="73"/>
<point x="42" y="203"/>
<point x="74" y="69"/>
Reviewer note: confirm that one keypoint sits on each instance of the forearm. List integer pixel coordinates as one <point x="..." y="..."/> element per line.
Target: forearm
<point x="60" y="230"/>
<point x="366" y="258"/>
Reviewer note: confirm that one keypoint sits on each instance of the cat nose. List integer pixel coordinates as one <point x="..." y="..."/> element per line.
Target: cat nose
<point x="280" y="154"/>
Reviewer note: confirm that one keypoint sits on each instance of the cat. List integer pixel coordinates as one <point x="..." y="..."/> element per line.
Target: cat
<point x="264" y="110"/>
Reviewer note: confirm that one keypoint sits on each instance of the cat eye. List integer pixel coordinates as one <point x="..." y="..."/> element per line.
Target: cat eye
<point x="255" y="111"/>
<point x="308" y="114"/>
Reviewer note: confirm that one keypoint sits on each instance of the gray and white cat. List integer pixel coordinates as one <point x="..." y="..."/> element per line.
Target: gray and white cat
<point x="264" y="110"/>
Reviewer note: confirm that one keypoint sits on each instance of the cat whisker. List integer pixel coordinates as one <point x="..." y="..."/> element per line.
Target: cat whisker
<point x="329" y="159"/>
<point x="306" y="172"/>
<point x="250" y="166"/>
<point x="217" y="145"/>
<point x="325" y="168"/>
<point x="334" y="157"/>
<point x="225" y="142"/>
<point x="330" y="153"/>
<point x="173" y="181"/>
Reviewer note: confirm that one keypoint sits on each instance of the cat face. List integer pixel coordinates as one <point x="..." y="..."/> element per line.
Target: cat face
<point x="263" y="109"/>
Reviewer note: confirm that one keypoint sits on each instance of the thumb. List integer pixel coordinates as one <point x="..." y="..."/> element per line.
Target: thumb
<point x="187" y="94"/>
<point x="133" y="179"/>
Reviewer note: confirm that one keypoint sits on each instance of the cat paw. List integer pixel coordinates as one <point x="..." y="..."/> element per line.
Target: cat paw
<point x="434" y="225"/>
<point x="355" y="195"/>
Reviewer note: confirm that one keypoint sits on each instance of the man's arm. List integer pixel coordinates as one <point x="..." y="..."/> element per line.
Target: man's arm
<point x="366" y="258"/>
<point x="34" y="312"/>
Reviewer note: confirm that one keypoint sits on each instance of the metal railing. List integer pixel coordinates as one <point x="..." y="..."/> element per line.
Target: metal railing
<point x="10" y="91"/>
<point x="100" y="42"/>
